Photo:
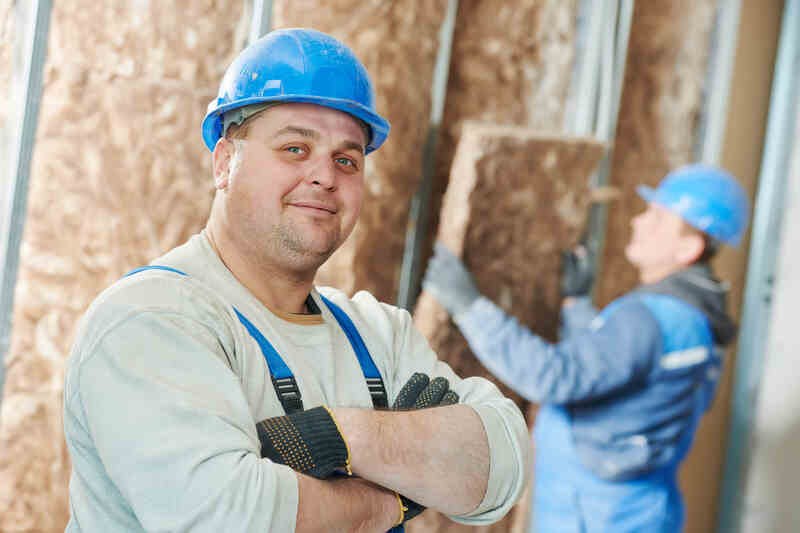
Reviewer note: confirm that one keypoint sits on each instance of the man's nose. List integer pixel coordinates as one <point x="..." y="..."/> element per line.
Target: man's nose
<point x="323" y="174"/>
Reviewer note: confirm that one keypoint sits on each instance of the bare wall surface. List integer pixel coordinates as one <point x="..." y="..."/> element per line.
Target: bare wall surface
<point x="771" y="482"/>
<point x="515" y="199"/>
<point x="397" y="42"/>
<point x="748" y="104"/>
<point x="119" y="175"/>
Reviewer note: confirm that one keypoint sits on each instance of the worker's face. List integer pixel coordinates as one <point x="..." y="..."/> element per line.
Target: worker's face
<point x="660" y="239"/>
<point x="293" y="189"/>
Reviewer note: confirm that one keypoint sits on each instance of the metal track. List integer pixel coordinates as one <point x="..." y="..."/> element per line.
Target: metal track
<point x="34" y="41"/>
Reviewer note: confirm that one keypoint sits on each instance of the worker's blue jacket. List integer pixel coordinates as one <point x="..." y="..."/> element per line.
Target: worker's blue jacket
<point x="620" y="395"/>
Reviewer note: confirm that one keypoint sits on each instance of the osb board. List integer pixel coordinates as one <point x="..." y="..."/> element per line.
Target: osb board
<point x="661" y="101"/>
<point x="397" y="42"/>
<point x="119" y="175"/>
<point x="515" y="200"/>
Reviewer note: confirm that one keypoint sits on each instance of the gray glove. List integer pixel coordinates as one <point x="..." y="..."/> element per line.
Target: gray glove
<point x="577" y="270"/>
<point x="449" y="280"/>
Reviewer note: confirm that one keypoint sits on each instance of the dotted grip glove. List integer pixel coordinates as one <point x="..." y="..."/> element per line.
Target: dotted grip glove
<point x="307" y="441"/>
<point x="421" y="392"/>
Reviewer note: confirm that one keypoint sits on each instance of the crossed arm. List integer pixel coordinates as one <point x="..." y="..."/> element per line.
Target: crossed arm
<point x="411" y="452"/>
<point x="170" y="428"/>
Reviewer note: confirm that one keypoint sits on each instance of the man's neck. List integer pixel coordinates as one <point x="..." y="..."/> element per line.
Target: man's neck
<point x="276" y="289"/>
<point x="657" y="273"/>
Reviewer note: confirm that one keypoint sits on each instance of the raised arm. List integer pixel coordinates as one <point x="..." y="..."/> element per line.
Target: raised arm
<point x="617" y="352"/>
<point x="596" y="357"/>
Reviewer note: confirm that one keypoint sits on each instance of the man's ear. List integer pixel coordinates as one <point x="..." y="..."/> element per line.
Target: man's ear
<point x="222" y="156"/>
<point x="691" y="248"/>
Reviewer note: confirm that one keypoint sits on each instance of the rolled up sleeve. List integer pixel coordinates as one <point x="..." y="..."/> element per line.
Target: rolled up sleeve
<point x="505" y="427"/>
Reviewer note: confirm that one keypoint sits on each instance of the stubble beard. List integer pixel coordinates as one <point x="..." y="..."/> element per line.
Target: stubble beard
<point x="299" y="251"/>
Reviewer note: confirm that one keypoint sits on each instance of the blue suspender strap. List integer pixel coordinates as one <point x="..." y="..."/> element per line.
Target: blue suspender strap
<point x="154" y="267"/>
<point x="371" y="374"/>
<point x="282" y="378"/>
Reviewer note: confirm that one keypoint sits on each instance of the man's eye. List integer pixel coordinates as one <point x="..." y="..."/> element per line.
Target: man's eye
<point x="346" y="161"/>
<point x="295" y="149"/>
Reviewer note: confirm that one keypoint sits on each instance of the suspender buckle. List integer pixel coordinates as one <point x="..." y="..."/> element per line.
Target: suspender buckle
<point x="288" y="393"/>
<point x="378" y="392"/>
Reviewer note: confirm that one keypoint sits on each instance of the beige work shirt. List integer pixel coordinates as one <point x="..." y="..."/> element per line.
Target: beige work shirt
<point x="164" y="386"/>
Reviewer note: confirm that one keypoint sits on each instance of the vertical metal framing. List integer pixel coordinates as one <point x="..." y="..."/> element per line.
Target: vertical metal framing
<point x="260" y="20"/>
<point x="591" y="26"/>
<point x="717" y="89"/>
<point x="34" y="41"/>
<point x="598" y="106"/>
<point x="417" y="231"/>
<point x="764" y="247"/>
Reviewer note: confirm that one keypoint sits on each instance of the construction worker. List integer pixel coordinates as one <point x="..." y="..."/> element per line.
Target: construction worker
<point x="621" y="394"/>
<point x="219" y="390"/>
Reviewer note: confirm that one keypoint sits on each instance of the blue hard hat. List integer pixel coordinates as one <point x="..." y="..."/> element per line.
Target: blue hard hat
<point x="706" y="197"/>
<point x="297" y="65"/>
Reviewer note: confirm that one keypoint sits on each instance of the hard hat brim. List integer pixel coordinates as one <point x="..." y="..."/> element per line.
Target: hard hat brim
<point x="379" y="127"/>
<point x="648" y="194"/>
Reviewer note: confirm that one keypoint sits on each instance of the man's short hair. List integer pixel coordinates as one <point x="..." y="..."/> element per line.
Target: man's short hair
<point x="238" y="125"/>
<point x="711" y="245"/>
<point x="710" y="248"/>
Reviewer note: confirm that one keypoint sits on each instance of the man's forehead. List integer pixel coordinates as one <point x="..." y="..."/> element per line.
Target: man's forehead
<point x="666" y="214"/>
<point x="305" y="116"/>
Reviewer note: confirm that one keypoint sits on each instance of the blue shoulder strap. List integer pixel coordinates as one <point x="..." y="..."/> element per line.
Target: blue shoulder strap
<point x="371" y="374"/>
<point x="282" y="378"/>
<point x="154" y="267"/>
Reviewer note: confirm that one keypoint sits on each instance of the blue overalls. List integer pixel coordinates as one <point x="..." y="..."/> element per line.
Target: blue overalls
<point x="282" y="378"/>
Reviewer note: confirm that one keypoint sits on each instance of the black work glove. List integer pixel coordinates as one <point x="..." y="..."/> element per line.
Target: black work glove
<point x="577" y="271"/>
<point x="308" y="442"/>
<point x="421" y="392"/>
